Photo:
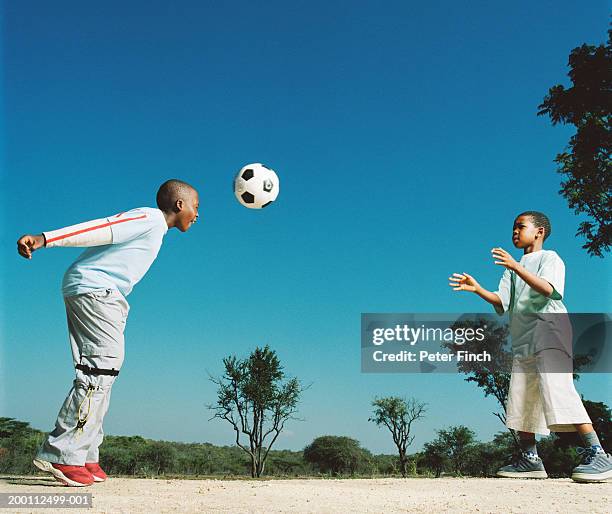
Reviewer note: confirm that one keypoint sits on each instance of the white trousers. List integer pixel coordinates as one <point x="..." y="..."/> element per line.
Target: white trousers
<point x="96" y="322"/>
<point x="540" y="401"/>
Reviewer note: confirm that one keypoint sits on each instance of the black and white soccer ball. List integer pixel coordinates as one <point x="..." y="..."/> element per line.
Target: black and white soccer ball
<point x="256" y="186"/>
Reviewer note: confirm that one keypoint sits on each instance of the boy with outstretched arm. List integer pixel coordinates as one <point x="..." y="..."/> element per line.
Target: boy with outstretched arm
<point x="120" y="251"/>
<point x="539" y="401"/>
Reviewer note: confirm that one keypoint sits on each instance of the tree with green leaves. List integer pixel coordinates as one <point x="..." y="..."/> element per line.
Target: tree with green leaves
<point x="336" y="455"/>
<point x="492" y="376"/>
<point x="434" y="457"/>
<point x="457" y="441"/>
<point x="484" y="459"/>
<point x="398" y="414"/>
<point x="255" y="400"/>
<point x="450" y="449"/>
<point x="18" y="444"/>
<point x="586" y="162"/>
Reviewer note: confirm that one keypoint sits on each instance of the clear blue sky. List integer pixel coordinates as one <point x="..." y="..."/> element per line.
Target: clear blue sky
<point x="405" y="137"/>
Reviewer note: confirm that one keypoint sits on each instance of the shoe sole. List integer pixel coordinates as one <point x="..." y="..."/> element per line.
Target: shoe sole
<point x="522" y="474"/>
<point x="96" y="478"/>
<point x="592" y="477"/>
<point x="45" y="466"/>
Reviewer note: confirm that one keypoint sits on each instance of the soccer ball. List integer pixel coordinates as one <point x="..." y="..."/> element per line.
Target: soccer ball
<point x="256" y="186"/>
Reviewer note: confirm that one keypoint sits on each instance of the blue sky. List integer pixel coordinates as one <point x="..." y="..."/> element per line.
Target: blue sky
<point x="405" y="137"/>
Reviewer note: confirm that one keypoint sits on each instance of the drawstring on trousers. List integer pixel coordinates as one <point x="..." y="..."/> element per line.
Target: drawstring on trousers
<point x="83" y="419"/>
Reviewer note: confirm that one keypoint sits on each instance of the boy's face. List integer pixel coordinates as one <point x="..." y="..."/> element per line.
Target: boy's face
<point x="525" y="233"/>
<point x="187" y="213"/>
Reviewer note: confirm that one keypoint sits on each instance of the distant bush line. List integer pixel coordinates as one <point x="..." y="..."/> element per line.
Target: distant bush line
<point x="139" y="457"/>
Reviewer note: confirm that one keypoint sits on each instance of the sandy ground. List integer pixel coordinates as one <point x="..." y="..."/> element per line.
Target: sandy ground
<point x="315" y="495"/>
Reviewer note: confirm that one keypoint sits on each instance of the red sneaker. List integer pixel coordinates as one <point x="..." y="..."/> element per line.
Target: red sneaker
<point x="96" y="471"/>
<point x="73" y="476"/>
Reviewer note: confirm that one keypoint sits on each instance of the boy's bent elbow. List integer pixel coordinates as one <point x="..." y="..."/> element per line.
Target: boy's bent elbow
<point x="498" y="304"/>
<point x="554" y="294"/>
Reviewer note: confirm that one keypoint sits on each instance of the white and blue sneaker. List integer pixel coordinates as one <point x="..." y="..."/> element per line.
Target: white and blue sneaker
<point x="596" y="465"/>
<point x="527" y="465"/>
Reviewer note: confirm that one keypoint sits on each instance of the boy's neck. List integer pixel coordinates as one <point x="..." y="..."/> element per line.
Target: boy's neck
<point x="535" y="247"/>
<point x="170" y="218"/>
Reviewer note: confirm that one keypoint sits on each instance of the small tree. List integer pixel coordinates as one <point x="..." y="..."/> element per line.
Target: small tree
<point x="434" y="457"/>
<point x="253" y="398"/>
<point x="336" y="454"/>
<point x="484" y="459"/>
<point x="492" y="376"/>
<point x="452" y="447"/>
<point x="586" y="163"/>
<point x="457" y="441"/>
<point x="397" y="415"/>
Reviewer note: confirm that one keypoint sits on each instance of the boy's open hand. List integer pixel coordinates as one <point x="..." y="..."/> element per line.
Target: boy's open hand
<point x="503" y="258"/>
<point x="463" y="282"/>
<point x="28" y="244"/>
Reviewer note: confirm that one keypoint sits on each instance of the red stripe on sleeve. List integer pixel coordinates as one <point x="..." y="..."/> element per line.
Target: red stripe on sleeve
<point x="95" y="228"/>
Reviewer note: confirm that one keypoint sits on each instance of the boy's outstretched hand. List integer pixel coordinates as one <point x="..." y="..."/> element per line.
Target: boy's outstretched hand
<point x="463" y="282"/>
<point x="503" y="258"/>
<point x="28" y="244"/>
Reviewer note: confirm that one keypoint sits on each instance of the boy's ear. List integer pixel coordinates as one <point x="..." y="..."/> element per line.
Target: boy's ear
<point x="540" y="231"/>
<point x="178" y="205"/>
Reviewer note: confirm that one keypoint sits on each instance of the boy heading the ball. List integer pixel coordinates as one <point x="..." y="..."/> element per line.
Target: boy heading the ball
<point x="121" y="250"/>
<point x="539" y="401"/>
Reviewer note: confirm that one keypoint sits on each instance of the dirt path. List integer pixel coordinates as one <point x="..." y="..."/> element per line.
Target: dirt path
<point x="367" y="495"/>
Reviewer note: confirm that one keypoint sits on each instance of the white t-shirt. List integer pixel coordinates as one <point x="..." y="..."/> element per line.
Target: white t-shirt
<point x="545" y="323"/>
<point x="137" y="238"/>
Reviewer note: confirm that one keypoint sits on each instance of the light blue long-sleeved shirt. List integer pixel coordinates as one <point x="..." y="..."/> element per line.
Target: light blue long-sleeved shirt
<point x="137" y="236"/>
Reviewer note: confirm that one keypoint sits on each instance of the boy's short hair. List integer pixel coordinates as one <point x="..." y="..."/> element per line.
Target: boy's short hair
<point x="171" y="191"/>
<point x="539" y="219"/>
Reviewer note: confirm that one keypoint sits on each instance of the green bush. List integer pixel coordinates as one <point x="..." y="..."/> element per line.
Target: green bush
<point x="338" y="455"/>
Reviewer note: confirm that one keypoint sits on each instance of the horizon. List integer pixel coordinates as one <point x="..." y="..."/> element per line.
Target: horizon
<point x="405" y="138"/>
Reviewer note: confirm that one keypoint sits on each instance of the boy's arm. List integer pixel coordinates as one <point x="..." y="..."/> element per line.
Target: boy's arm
<point x="465" y="282"/>
<point x="103" y="231"/>
<point x="503" y="258"/>
<point x="490" y="297"/>
<point x="90" y="233"/>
